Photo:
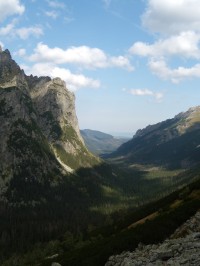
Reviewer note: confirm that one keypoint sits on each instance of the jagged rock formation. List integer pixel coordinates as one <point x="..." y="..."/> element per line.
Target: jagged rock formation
<point x="46" y="170"/>
<point x="40" y="139"/>
<point x="172" y="143"/>
<point x="174" y="251"/>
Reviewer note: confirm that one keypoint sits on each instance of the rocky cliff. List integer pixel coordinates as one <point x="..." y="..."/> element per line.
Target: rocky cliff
<point x="40" y="139"/>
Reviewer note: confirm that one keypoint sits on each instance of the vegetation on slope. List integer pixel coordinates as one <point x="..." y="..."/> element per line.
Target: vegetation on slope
<point x="101" y="143"/>
<point x="97" y="245"/>
<point x="173" y="143"/>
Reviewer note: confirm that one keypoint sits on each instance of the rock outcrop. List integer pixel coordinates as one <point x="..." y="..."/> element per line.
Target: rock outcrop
<point x="182" y="248"/>
<point x="40" y="138"/>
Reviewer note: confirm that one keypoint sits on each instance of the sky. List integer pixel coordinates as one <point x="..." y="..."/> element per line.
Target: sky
<point x="130" y="63"/>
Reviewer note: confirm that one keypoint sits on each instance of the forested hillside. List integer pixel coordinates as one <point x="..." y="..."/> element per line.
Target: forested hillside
<point x="101" y="143"/>
<point x="174" y="143"/>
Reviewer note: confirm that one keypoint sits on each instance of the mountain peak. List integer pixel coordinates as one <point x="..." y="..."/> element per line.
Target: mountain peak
<point x="4" y="54"/>
<point x="10" y="72"/>
<point x="37" y="110"/>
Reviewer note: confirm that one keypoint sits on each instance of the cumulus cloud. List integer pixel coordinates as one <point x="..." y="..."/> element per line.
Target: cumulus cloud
<point x="172" y="16"/>
<point x="23" y="33"/>
<point x="73" y="81"/>
<point x="121" y="61"/>
<point x="9" y="8"/>
<point x="146" y="92"/>
<point x="160" y="68"/>
<point x="178" y="25"/>
<point x="184" y="44"/>
<point x="83" y="56"/>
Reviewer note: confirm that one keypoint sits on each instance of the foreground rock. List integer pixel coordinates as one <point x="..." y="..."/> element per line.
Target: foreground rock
<point x="174" y="251"/>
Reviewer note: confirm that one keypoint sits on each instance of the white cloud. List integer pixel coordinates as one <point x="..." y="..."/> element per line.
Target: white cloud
<point x="23" y="33"/>
<point x="184" y="44"/>
<point x="160" y="68"/>
<point x="9" y="8"/>
<point x="141" y="92"/>
<point x="178" y="25"/>
<point x="56" y="4"/>
<point x="53" y="14"/>
<point x="21" y="52"/>
<point x="146" y="92"/>
<point x="8" y="28"/>
<point x="172" y="16"/>
<point x="84" y="56"/>
<point x="73" y="81"/>
<point x="121" y="61"/>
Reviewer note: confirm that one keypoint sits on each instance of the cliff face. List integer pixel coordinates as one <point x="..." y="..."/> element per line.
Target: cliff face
<point x="40" y="138"/>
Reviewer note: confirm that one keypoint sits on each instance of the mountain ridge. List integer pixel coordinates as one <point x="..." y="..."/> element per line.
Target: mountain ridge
<point x="171" y="143"/>
<point x="101" y="143"/>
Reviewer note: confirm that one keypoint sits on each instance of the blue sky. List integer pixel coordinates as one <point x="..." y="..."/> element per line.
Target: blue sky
<point x="130" y="63"/>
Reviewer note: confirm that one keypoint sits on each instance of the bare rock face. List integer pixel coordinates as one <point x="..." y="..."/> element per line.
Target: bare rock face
<point x="10" y="72"/>
<point x="40" y="137"/>
<point x="55" y="105"/>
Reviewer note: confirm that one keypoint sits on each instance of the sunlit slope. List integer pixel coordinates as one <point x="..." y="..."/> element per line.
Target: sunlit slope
<point x="174" y="143"/>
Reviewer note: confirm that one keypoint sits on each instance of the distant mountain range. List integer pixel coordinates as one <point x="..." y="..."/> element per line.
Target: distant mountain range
<point x="101" y="143"/>
<point x="172" y="143"/>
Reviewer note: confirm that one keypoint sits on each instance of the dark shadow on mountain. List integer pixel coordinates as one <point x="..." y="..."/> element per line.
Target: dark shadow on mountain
<point x="32" y="211"/>
<point x="182" y="151"/>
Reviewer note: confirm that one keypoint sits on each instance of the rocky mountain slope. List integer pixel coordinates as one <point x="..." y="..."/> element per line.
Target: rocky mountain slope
<point x="41" y="152"/>
<point x="177" y="250"/>
<point x="39" y="128"/>
<point x="101" y="143"/>
<point x="173" y="143"/>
